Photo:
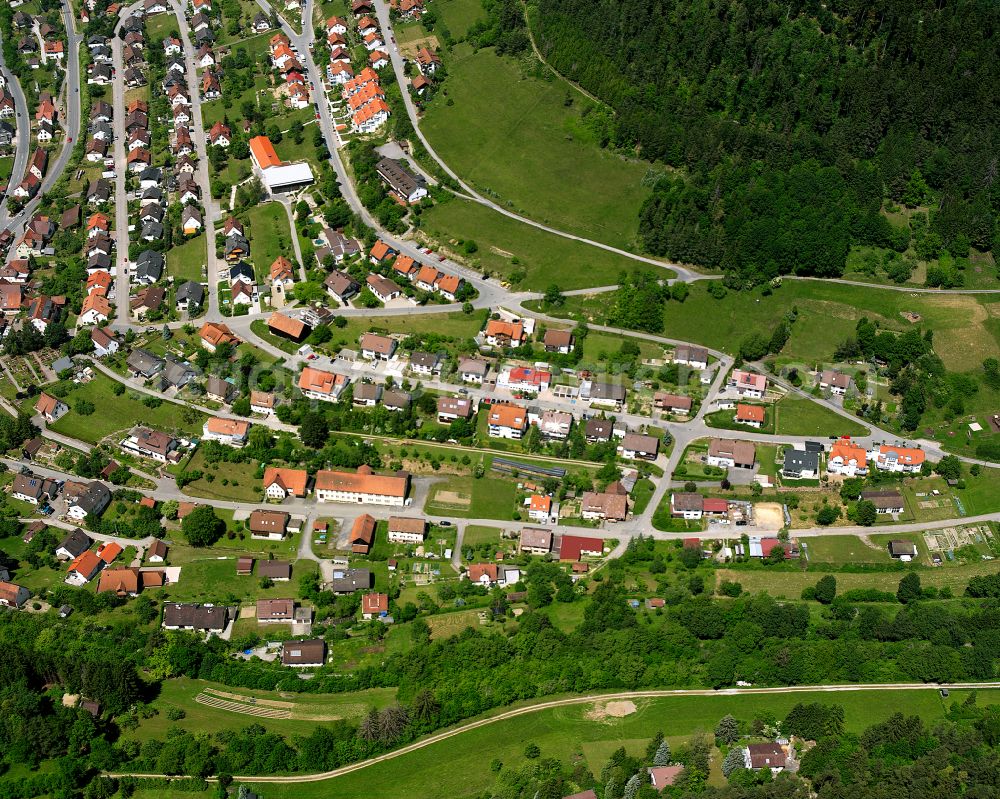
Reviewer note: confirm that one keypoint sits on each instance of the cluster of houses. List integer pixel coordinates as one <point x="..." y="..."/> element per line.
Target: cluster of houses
<point x="41" y="43"/>
<point x="424" y="277"/>
<point x="81" y="499"/>
<point x="8" y="110"/>
<point x="242" y="280"/>
<point x="285" y="60"/>
<point x="32" y="181"/>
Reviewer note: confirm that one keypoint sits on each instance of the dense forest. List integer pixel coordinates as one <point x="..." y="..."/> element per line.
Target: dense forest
<point x="786" y="125"/>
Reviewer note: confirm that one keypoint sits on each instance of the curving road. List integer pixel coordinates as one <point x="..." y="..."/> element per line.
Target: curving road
<point x="382" y="12"/>
<point x="581" y="700"/>
<point x="70" y="122"/>
<point x="23" y="147"/>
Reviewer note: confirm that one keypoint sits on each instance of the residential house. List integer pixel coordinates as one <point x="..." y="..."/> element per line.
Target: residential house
<point x="287" y="327"/>
<point x="451" y="408"/>
<point x="84" y="568"/>
<point x="321" y="385"/>
<point x="902" y="550"/>
<point x="50" y="408"/>
<point x="887" y="501"/>
<point x="800" y="465"/>
<point x="383" y="288"/>
<point x="500" y="333"/>
<point x="231" y="432"/>
<point x="635" y="445"/>
<point x="555" y="425"/>
<point x="142" y="363"/>
<point x="262" y="402"/>
<point x="218" y="390"/>
<point x="898" y="459"/>
<point x="406" y="530"/>
<point x="73" y="545"/>
<point x="750" y="415"/>
<point x="560" y="341"/>
<point x="220" y="135"/>
<point x="601" y="393"/>
<point x="764" y="756"/>
<point x="146" y="300"/>
<point x="210" y="619"/>
<point x="690" y="355"/>
<point x="280" y="483"/>
<point x="13" y="595"/>
<point x="687" y="505"/>
<point x="427" y="62"/>
<point x="834" y="382"/>
<point x="473" y="370"/>
<point x="268" y="524"/>
<point x="105" y="343"/>
<point x="154" y="444"/>
<point x="214" y="334"/>
<point x="190" y="296"/>
<point x="278" y="571"/>
<point x="302" y="654"/>
<point x="92" y="501"/>
<point x="575" y="547"/>
<point x="598" y="431"/>
<point x="374" y="606"/>
<point x="726" y="453"/>
<point x="535" y="541"/>
<point x="271" y="611"/>
<point x="366" y="395"/>
<point x="425" y="363"/>
<point x="748" y="384"/>
<point x="672" y="403"/>
<point x="377" y="348"/>
<point x="847" y="458"/>
<point x="604" y="506"/>
<point x="33" y="489"/>
<point x="539" y="507"/>
<point x="341" y="286"/>
<point x="507" y="420"/>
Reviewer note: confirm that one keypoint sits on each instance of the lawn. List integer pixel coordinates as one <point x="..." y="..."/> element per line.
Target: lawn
<point x="725" y="420"/>
<point x="966" y="327"/>
<point x="561" y="732"/>
<point x="120" y="413"/>
<point x="798" y="416"/>
<point x="242" y="483"/>
<point x="844" y="549"/>
<point x="512" y="136"/>
<point x="455" y="325"/>
<point x="642" y="494"/>
<point x="305" y="709"/>
<point x="508" y="247"/>
<point x="480" y="534"/>
<point x="187" y="261"/>
<point x="487" y="498"/>
<point x="269" y="237"/>
<point x="208" y="576"/>
<point x="160" y="26"/>
<point x="6" y="167"/>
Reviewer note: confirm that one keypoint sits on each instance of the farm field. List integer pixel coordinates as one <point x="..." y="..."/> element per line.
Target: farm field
<point x="508" y="247"/>
<point x="966" y="327"/>
<point x="119" y="413"/>
<point x="560" y="732"/>
<point x="512" y="136"/>
<point x="480" y="534"/>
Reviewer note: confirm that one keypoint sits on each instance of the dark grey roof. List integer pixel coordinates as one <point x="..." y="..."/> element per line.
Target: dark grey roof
<point x="349" y="580"/>
<point x="152" y="229"/>
<point x="198" y="617"/>
<point x="144" y="362"/>
<point x="192" y="292"/>
<point x="797" y="460"/>
<point x="76" y="543"/>
<point x="95" y="499"/>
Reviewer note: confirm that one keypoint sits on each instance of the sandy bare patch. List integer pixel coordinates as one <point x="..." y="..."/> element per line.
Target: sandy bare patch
<point x="409" y="49"/>
<point x="769" y="515"/>
<point x="602" y="711"/>
<point x="453" y="498"/>
<point x="503" y="253"/>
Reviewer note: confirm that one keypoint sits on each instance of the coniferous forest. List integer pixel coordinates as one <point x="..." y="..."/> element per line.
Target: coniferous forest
<point x="785" y="126"/>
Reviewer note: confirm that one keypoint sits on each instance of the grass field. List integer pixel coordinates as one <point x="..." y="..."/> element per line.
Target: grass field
<point x="119" y="413"/>
<point x="797" y="416"/>
<point x="207" y="576"/>
<point x="455" y="325"/>
<point x="790" y="584"/>
<point x="243" y="485"/>
<point x="187" y="261"/>
<point x="181" y="692"/>
<point x="486" y="498"/>
<point x="459" y="15"/>
<point x="561" y="732"/>
<point x="512" y="136"/>
<point x="844" y="549"/>
<point x="966" y="327"/>
<point x="507" y="246"/>
<point x="269" y="237"/>
<point x="480" y="534"/>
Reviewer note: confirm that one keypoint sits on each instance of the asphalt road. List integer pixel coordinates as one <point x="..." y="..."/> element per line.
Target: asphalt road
<point x="70" y="124"/>
<point x="23" y="147"/>
<point x="121" y="171"/>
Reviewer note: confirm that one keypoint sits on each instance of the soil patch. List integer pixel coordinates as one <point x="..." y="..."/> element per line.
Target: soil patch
<point x="769" y="515"/>
<point x="453" y="498"/>
<point x="602" y="711"/>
